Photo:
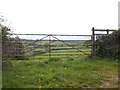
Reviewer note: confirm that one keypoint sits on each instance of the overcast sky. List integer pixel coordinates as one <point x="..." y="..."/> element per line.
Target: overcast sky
<point x="60" y="16"/>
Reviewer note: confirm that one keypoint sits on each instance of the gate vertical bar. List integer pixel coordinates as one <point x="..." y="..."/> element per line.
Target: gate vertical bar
<point x="93" y="41"/>
<point x="0" y="58"/>
<point x="107" y="31"/>
<point x="49" y="47"/>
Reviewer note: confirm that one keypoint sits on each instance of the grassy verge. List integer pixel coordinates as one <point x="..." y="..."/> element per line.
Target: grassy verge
<point x="77" y="72"/>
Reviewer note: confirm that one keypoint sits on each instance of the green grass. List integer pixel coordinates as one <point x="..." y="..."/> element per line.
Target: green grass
<point x="60" y="47"/>
<point x="68" y="52"/>
<point x="58" y="72"/>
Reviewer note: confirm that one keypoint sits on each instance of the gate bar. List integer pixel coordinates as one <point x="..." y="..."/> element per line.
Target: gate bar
<point x="49" y="34"/>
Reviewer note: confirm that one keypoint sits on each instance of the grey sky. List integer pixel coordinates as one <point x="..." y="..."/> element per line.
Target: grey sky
<point x="60" y="16"/>
<point x="119" y="14"/>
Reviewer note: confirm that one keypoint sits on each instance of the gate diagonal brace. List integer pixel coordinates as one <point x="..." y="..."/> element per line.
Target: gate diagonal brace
<point x="70" y="45"/>
<point x="35" y="42"/>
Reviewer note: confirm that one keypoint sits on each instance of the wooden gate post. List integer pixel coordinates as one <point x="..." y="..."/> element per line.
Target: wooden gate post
<point x="93" y="41"/>
<point x="0" y="53"/>
<point x="107" y="31"/>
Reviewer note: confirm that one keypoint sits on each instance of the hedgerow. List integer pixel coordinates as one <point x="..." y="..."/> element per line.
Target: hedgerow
<point x="108" y="46"/>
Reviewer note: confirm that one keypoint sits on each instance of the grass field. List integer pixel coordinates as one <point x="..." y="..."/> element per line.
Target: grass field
<point x="70" y="72"/>
<point x="67" y="68"/>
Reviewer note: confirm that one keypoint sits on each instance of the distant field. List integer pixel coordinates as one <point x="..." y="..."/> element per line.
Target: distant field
<point x="57" y="48"/>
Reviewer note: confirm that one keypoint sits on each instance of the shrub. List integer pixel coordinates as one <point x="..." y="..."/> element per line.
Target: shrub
<point x="108" y="45"/>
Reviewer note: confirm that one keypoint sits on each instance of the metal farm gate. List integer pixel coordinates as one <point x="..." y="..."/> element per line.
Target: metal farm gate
<point x="41" y="46"/>
<point x="52" y="45"/>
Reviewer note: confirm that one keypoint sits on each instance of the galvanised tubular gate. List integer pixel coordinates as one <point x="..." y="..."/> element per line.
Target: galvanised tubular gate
<point x="49" y="36"/>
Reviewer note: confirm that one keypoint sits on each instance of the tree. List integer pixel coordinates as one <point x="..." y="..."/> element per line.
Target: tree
<point x="5" y="41"/>
<point x="11" y="47"/>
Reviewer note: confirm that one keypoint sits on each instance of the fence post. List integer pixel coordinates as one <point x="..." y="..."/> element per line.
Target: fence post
<point x="93" y="41"/>
<point x="107" y="31"/>
<point x="0" y="58"/>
